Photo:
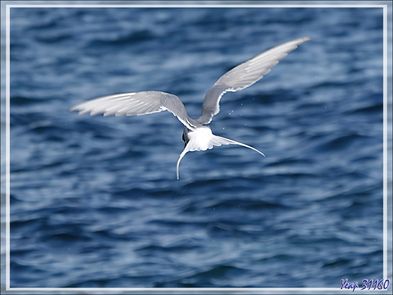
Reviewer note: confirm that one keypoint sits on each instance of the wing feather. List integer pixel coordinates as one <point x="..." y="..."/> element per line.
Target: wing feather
<point x="243" y="76"/>
<point x="135" y="104"/>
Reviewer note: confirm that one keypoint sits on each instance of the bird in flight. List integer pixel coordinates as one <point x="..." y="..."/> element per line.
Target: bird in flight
<point x="197" y="135"/>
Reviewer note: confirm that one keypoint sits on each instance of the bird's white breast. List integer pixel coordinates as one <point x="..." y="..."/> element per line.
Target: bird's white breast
<point x="200" y="139"/>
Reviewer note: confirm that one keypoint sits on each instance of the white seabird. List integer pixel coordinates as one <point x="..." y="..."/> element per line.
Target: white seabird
<point x="197" y="135"/>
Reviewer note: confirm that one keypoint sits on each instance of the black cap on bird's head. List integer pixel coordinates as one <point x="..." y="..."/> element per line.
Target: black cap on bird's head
<point x="185" y="136"/>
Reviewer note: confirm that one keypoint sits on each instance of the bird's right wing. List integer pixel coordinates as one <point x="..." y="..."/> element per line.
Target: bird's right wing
<point x="244" y="75"/>
<point x="135" y="103"/>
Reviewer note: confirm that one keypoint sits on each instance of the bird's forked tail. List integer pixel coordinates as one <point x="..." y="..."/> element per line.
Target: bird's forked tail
<point x="214" y="141"/>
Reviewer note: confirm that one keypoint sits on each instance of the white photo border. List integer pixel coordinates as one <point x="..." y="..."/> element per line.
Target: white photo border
<point x="6" y="6"/>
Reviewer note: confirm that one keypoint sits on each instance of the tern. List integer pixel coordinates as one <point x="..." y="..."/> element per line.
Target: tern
<point x="197" y="135"/>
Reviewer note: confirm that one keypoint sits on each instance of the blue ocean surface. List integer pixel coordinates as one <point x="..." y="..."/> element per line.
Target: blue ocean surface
<point x="95" y="201"/>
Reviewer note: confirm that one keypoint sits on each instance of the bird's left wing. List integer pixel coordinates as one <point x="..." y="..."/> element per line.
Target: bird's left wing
<point x="135" y="103"/>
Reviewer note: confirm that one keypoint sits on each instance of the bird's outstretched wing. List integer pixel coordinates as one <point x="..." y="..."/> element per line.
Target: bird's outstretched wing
<point x="136" y="103"/>
<point x="244" y="75"/>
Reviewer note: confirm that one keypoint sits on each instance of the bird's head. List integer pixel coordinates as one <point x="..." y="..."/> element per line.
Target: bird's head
<point x="184" y="136"/>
